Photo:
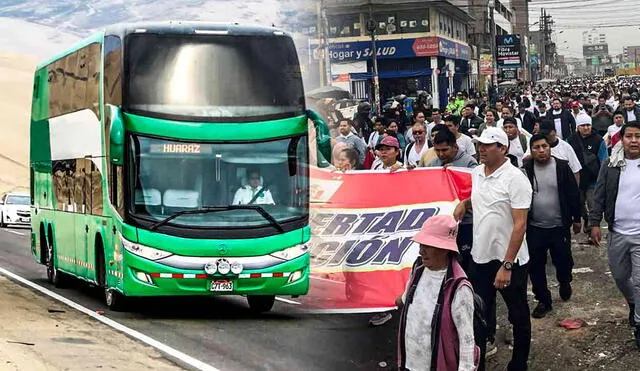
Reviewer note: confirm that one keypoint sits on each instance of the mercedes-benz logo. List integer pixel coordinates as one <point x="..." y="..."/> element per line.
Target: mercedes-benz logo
<point x="222" y="249"/>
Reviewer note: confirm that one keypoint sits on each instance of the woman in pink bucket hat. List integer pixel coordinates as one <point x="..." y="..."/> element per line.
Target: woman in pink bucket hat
<point x="437" y="308"/>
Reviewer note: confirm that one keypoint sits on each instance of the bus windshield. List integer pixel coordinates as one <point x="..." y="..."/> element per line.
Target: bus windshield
<point x="168" y="177"/>
<point x="212" y="77"/>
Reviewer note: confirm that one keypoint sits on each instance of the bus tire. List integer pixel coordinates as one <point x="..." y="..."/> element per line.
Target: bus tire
<point x="115" y="300"/>
<point x="54" y="276"/>
<point x="261" y="303"/>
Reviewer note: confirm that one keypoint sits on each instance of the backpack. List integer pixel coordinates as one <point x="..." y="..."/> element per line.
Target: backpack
<point x="479" y="321"/>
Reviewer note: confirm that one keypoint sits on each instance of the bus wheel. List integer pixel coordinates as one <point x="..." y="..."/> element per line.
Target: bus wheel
<point x="54" y="276"/>
<point x="261" y="303"/>
<point x="115" y="300"/>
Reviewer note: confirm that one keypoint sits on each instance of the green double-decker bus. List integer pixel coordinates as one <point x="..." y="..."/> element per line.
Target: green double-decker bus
<point x="172" y="159"/>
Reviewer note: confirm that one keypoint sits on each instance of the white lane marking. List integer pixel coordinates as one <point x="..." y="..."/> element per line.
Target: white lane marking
<point x="14" y="232"/>
<point x="197" y="364"/>
<point x="288" y="301"/>
<point x="327" y="280"/>
<point x="348" y="310"/>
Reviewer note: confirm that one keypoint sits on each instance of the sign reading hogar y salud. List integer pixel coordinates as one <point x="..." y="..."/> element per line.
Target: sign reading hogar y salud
<point x="430" y="46"/>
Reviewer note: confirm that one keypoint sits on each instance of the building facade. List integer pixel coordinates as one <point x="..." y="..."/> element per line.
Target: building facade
<point x="593" y="37"/>
<point x="421" y="45"/>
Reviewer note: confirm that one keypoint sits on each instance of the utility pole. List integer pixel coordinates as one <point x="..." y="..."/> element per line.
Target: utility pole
<point x="321" y="46"/>
<point x="494" y="54"/>
<point x="371" y="27"/>
<point x="327" y="52"/>
<point x="543" y="41"/>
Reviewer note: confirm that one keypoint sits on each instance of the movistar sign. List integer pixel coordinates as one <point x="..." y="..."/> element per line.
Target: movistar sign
<point x="508" y="53"/>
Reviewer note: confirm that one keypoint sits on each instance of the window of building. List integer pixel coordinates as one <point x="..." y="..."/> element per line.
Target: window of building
<point x="405" y="21"/>
<point x="344" y="25"/>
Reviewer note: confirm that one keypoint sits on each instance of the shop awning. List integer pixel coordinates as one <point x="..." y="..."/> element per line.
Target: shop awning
<point x="391" y="74"/>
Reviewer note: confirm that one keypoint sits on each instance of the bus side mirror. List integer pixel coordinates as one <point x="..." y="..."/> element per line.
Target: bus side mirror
<point x="116" y="137"/>
<point x="323" y="138"/>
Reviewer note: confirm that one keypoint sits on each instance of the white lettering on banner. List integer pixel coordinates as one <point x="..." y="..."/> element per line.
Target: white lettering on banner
<point x="368" y="239"/>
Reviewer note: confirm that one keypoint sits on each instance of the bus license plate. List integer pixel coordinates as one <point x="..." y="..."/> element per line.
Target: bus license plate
<point x="219" y="286"/>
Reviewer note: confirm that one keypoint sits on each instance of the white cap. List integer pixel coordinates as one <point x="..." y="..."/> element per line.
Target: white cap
<point x="583" y="119"/>
<point x="492" y="135"/>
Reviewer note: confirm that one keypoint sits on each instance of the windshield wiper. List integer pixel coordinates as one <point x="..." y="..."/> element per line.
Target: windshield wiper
<point x="213" y="209"/>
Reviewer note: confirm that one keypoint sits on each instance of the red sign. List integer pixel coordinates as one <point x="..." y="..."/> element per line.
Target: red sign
<point x="426" y="46"/>
<point x="361" y="248"/>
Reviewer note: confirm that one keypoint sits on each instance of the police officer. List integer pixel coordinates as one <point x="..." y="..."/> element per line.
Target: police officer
<point x="253" y="193"/>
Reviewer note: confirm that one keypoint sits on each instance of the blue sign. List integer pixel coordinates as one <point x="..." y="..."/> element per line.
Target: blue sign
<point x="362" y="50"/>
<point x="393" y="49"/>
<point x="447" y="48"/>
<point x="463" y="52"/>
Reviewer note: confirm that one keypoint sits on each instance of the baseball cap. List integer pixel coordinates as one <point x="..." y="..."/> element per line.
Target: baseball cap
<point x="492" y="135"/>
<point x="388" y="141"/>
<point x="583" y="119"/>
<point x="439" y="231"/>
<point x="575" y="103"/>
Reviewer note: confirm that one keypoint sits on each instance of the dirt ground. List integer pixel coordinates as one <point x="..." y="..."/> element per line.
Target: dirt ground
<point x="37" y="333"/>
<point x="605" y="342"/>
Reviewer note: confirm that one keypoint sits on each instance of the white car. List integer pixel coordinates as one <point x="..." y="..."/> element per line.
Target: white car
<point x="15" y="209"/>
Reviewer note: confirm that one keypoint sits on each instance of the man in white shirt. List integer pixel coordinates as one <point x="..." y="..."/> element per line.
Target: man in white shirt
<point x="253" y="193"/>
<point x="436" y="116"/>
<point x="559" y="148"/>
<point x="617" y="195"/>
<point x="517" y="142"/>
<point x="618" y="121"/>
<point x="508" y="112"/>
<point x="409" y="138"/>
<point x="414" y="151"/>
<point x="465" y="144"/>
<point x="500" y="199"/>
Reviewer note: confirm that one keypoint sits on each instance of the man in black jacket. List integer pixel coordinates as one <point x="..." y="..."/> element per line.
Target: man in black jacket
<point x="527" y="118"/>
<point x="562" y="119"/>
<point x="631" y="112"/>
<point x="554" y="208"/>
<point x="469" y="123"/>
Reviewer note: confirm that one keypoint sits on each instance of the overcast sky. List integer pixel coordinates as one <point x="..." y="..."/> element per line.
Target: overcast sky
<point x="618" y="19"/>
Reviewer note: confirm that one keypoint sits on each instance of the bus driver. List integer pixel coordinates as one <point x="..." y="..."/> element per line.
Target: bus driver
<point x="253" y="193"/>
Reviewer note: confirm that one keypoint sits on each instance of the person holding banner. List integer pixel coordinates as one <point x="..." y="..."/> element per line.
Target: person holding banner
<point x="388" y="150"/>
<point x="436" y="323"/>
<point x="448" y="154"/>
<point x="501" y="196"/>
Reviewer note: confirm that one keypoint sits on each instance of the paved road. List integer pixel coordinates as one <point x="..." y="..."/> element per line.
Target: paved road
<point x="222" y="331"/>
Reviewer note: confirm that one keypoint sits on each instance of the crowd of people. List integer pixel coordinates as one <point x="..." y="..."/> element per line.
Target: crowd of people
<point x="547" y="162"/>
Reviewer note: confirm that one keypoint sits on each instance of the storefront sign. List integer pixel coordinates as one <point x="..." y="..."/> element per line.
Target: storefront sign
<point x="508" y="51"/>
<point x="509" y="74"/>
<point x="595" y="50"/>
<point x="486" y="64"/>
<point x="398" y="48"/>
<point x="463" y="52"/>
<point x="447" y="48"/>
<point x="425" y="47"/>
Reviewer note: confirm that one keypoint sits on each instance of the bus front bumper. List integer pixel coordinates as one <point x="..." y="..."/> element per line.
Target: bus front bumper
<point x="142" y="277"/>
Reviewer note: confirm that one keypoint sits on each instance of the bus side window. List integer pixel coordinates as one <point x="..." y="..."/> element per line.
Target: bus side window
<point x="116" y="188"/>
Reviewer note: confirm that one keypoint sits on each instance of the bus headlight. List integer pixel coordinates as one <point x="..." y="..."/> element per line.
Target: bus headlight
<point x="142" y="250"/>
<point x="236" y="268"/>
<point x="291" y="252"/>
<point x="223" y="266"/>
<point x="211" y="268"/>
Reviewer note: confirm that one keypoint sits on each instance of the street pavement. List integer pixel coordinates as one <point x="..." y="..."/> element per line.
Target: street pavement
<point x="222" y="332"/>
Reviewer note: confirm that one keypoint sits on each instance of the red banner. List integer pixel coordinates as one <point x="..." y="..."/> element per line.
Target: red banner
<point x="362" y="224"/>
